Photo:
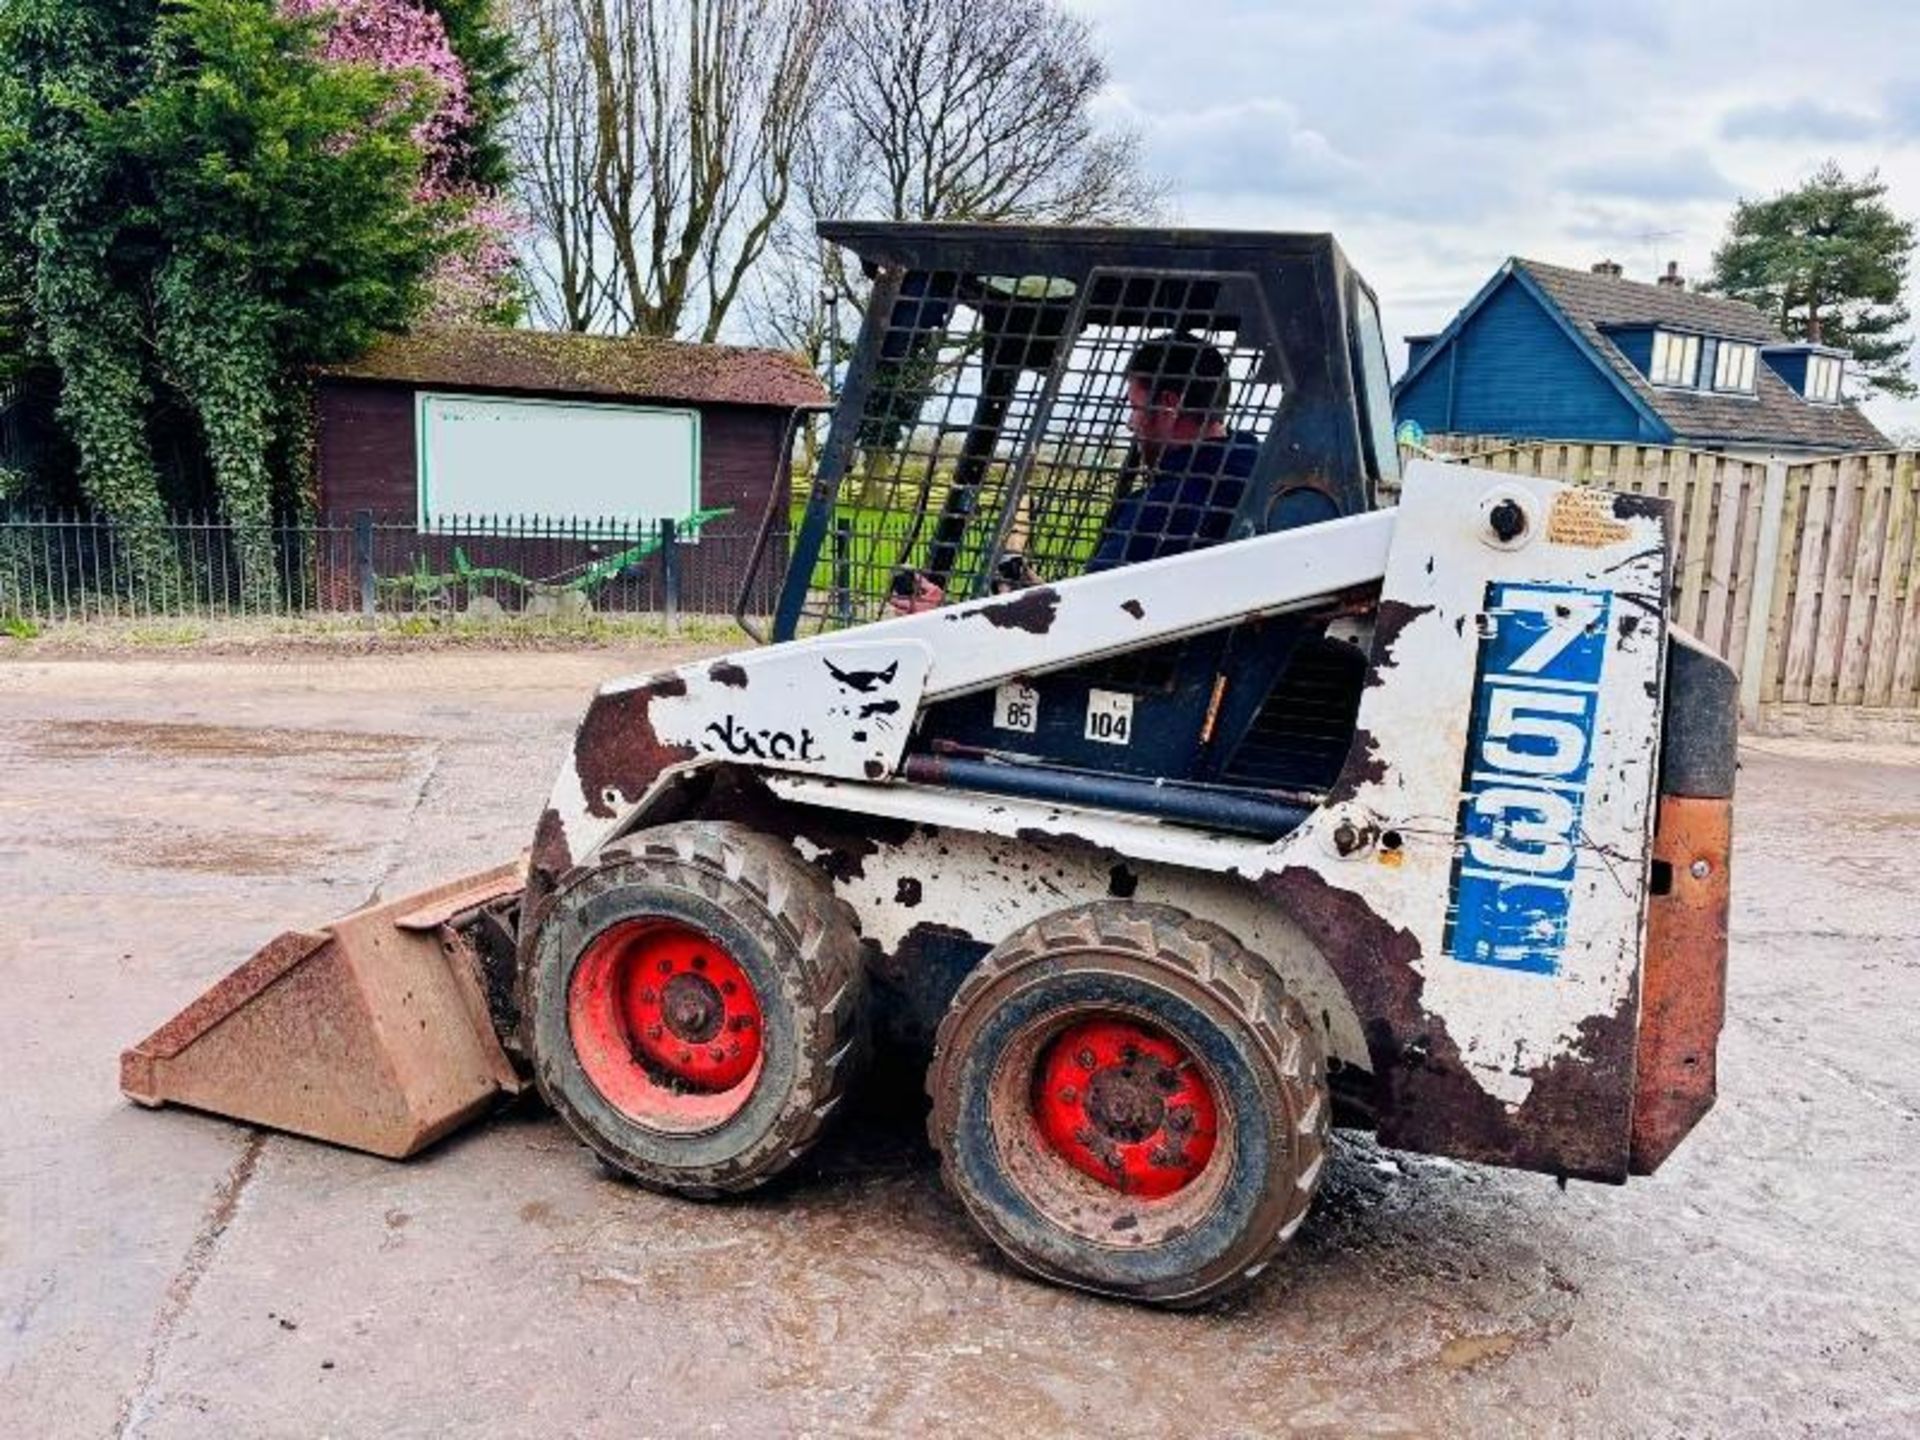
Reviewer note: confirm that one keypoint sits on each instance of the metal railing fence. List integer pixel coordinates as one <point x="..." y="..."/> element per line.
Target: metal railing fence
<point x="62" y="568"/>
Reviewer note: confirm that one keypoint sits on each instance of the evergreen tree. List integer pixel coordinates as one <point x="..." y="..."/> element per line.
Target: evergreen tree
<point x="1828" y="262"/>
<point x="200" y="204"/>
<point x="486" y="51"/>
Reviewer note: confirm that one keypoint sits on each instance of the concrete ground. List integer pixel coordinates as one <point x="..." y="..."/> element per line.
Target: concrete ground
<point x="166" y="1274"/>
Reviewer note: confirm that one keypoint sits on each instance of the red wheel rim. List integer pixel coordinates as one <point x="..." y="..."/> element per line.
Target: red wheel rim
<point x="665" y="1023"/>
<point x="1127" y="1104"/>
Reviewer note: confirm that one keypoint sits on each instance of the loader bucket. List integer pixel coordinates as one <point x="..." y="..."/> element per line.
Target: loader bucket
<point x="372" y="1032"/>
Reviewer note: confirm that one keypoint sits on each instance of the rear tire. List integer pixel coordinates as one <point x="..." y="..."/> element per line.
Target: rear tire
<point x="1126" y="1100"/>
<point x="697" y="1007"/>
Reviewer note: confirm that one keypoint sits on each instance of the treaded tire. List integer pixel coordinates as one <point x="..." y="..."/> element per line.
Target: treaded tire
<point x="797" y="943"/>
<point x="1197" y="984"/>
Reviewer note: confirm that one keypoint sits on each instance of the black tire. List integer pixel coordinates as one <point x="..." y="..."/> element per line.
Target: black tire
<point x="1226" y="1009"/>
<point x="778" y="919"/>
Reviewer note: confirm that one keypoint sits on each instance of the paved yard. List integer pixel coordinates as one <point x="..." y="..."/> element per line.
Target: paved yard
<point x="165" y="1274"/>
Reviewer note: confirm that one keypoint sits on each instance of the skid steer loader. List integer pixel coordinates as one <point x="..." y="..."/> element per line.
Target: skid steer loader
<point x="1117" y="745"/>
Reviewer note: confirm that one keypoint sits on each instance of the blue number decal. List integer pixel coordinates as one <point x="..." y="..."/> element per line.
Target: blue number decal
<point x="1528" y="757"/>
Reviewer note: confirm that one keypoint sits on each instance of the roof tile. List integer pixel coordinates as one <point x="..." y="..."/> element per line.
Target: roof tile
<point x="1774" y="414"/>
<point x="558" y="362"/>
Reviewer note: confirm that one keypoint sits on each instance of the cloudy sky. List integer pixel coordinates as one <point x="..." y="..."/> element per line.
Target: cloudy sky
<point x="1437" y="137"/>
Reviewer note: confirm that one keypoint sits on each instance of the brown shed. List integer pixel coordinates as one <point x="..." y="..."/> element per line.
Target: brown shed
<point x="469" y="421"/>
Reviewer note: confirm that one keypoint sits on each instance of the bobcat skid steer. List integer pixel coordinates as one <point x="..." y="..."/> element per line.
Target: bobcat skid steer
<point x="1114" y="745"/>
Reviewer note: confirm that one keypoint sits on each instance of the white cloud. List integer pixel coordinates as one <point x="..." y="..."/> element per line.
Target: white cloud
<point x="1247" y="147"/>
<point x="1681" y="175"/>
<point x="1437" y="137"/>
<point x="1801" y="119"/>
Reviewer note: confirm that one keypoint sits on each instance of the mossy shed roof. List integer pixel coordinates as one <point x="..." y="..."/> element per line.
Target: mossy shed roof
<point x="562" y="363"/>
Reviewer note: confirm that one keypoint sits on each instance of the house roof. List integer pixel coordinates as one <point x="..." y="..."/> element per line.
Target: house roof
<point x="474" y="357"/>
<point x="1775" y="413"/>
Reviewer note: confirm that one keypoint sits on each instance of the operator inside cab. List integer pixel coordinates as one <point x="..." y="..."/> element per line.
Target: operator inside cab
<point x="1198" y="468"/>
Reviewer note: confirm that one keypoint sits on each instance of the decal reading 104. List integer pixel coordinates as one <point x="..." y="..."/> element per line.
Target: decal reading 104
<point x="1110" y="717"/>
<point x="1529" y="749"/>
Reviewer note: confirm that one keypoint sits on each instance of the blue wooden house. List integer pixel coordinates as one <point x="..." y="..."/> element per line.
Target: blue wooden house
<point x="1544" y="352"/>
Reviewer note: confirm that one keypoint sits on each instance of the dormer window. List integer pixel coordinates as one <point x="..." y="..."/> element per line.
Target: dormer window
<point x="1676" y="359"/>
<point x="1733" y="366"/>
<point x="1823" y="379"/>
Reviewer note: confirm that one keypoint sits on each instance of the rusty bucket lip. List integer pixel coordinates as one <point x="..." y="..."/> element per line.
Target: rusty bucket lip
<point x="401" y="1000"/>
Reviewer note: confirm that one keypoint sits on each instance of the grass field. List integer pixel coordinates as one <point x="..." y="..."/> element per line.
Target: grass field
<point x="866" y="543"/>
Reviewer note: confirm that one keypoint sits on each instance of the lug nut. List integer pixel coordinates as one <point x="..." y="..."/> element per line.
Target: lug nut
<point x="1507" y="521"/>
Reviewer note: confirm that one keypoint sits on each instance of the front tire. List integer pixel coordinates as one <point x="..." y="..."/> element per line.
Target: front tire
<point x="1126" y="1100"/>
<point x="697" y="1007"/>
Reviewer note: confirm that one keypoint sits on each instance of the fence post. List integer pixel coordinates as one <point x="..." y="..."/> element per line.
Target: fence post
<point x="843" y="571"/>
<point x="670" y="573"/>
<point x="363" y="559"/>
<point x="1766" y="562"/>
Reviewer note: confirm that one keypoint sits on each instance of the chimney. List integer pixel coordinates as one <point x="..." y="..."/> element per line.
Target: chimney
<point x="1607" y="268"/>
<point x="1672" y="278"/>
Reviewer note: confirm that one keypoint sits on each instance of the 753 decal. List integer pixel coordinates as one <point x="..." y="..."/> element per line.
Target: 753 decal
<point x="1529" y="753"/>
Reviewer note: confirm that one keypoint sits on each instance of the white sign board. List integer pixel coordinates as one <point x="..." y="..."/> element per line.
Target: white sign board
<point x="485" y="456"/>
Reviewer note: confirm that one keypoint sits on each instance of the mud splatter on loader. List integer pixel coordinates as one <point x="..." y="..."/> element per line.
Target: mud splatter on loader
<point x="1173" y="797"/>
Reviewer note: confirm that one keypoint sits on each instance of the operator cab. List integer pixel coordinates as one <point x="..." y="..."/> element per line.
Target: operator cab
<point x="987" y="440"/>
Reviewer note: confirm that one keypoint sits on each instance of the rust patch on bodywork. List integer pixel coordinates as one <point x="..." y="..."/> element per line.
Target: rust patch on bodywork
<point x="1031" y="610"/>
<point x="1574" y="1120"/>
<point x="616" y="750"/>
<point x="1393" y="617"/>
<point x="552" y="856"/>
<point x="1364" y="766"/>
<point x="842" y="842"/>
<point x="1684" y="977"/>
<point x="726" y="672"/>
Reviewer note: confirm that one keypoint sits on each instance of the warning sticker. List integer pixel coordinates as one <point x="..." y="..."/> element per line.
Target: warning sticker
<point x="1584" y="518"/>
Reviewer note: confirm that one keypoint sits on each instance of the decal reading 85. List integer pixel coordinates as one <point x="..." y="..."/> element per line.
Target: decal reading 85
<point x="1016" y="707"/>
<point x="1529" y="753"/>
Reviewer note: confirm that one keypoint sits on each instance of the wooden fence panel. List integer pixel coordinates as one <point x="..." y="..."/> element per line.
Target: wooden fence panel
<point x="1896" y="562"/>
<point x="1743" y="580"/>
<point x="1695" y="554"/>
<point x="1730" y="492"/>
<point x="1773" y="673"/>
<point x="1842" y="621"/>
<point x="1809" y="566"/>
<point x="1906" y="664"/>
<point x="1863" y="587"/>
<point x="1830" y="627"/>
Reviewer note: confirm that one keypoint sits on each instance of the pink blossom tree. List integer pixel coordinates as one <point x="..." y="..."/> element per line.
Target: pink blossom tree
<point x="475" y="280"/>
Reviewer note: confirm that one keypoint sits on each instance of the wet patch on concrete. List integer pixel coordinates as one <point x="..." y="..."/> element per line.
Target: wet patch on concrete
<point x="90" y="739"/>
<point x="278" y="852"/>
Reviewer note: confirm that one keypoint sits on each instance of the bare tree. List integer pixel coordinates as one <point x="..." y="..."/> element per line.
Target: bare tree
<point x="656" y="144"/>
<point x="975" y="110"/>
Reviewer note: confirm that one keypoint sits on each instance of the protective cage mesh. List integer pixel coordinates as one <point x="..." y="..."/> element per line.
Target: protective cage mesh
<point x="996" y="444"/>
